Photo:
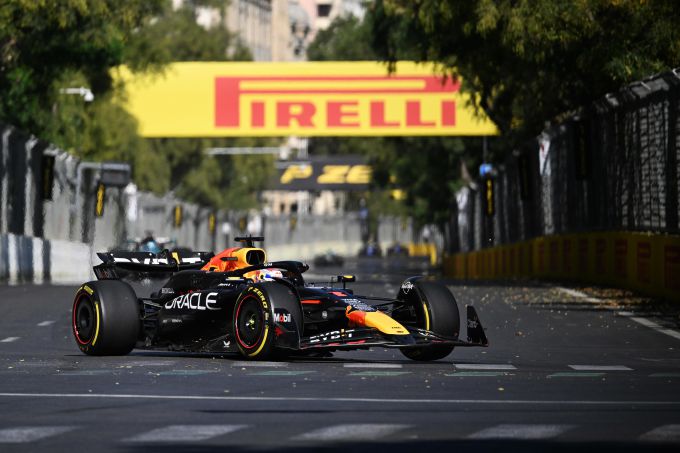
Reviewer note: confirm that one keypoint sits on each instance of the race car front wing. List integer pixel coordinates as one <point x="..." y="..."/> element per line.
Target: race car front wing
<point x="368" y="337"/>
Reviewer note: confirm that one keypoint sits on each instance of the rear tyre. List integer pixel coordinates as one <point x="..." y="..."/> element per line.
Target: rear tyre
<point x="253" y="321"/>
<point x="105" y="318"/>
<point x="436" y="310"/>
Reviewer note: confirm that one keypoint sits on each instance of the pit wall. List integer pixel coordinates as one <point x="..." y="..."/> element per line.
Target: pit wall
<point x="648" y="263"/>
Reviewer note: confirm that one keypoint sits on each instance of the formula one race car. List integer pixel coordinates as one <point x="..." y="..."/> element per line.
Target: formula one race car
<point x="237" y="301"/>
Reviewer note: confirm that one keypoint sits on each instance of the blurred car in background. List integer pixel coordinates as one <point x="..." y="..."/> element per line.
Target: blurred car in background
<point x="330" y="258"/>
<point x="370" y="248"/>
<point x="150" y="244"/>
<point x="397" y="249"/>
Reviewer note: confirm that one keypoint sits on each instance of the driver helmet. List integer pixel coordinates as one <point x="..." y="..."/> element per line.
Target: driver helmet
<point x="150" y="245"/>
<point x="267" y="275"/>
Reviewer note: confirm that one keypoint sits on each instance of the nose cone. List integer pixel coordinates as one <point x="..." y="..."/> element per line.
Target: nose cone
<point x="377" y="320"/>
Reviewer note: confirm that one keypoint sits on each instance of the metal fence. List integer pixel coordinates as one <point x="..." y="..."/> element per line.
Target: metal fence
<point x="612" y="166"/>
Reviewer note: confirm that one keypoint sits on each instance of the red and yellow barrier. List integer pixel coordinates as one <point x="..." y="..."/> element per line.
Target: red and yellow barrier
<point x="649" y="263"/>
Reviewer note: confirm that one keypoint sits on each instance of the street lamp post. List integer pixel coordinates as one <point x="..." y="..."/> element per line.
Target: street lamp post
<point x="86" y="93"/>
<point x="87" y="96"/>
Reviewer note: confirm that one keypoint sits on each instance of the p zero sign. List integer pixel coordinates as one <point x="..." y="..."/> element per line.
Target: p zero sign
<point x="324" y="173"/>
<point x="305" y="99"/>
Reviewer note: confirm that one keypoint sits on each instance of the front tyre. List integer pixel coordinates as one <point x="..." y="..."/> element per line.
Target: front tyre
<point x="105" y="318"/>
<point x="434" y="308"/>
<point x="259" y="334"/>
<point x="252" y="324"/>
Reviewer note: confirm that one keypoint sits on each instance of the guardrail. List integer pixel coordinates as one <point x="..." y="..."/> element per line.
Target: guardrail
<point x="612" y="166"/>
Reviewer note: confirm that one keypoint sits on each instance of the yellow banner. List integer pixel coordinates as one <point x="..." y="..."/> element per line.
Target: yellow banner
<point x="305" y="99"/>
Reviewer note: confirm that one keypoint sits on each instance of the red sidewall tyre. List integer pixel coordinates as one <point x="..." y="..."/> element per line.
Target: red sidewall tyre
<point x="105" y="318"/>
<point x="257" y="334"/>
<point x="252" y="323"/>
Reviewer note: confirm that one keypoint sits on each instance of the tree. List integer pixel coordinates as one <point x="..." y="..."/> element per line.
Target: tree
<point x="531" y="61"/>
<point x="346" y="38"/>
<point x="40" y="41"/>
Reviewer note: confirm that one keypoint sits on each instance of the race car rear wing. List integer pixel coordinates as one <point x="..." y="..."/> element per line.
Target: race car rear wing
<point x="164" y="261"/>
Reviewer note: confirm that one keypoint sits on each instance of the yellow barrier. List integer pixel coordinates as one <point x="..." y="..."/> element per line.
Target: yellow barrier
<point x="423" y="249"/>
<point x="649" y="263"/>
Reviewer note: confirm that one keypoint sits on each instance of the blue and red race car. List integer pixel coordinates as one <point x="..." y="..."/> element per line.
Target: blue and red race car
<point x="238" y="301"/>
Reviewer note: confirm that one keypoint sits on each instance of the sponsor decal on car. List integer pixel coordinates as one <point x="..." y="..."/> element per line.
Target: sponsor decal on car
<point x="194" y="301"/>
<point x="332" y="335"/>
<point x="188" y="260"/>
<point x="283" y="317"/>
<point x="359" y="305"/>
<point x="259" y="294"/>
<point x="407" y="286"/>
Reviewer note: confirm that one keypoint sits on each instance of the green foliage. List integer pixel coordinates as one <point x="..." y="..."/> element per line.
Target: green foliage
<point x="40" y="40"/>
<point x="531" y="61"/>
<point x="347" y="38"/>
<point x="427" y="169"/>
<point x="220" y="181"/>
<point x="176" y="36"/>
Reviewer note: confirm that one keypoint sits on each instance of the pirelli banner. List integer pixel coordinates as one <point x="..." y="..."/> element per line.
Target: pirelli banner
<point x="206" y="99"/>
<point x="323" y="173"/>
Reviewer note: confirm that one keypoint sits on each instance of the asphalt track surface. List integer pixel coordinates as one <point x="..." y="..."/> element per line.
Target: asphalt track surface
<point x="562" y="373"/>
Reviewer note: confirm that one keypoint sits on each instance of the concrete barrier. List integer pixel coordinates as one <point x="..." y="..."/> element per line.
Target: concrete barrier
<point x="645" y="262"/>
<point x="25" y="259"/>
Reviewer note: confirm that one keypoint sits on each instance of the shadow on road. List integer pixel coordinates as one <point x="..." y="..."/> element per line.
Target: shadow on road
<point x="476" y="446"/>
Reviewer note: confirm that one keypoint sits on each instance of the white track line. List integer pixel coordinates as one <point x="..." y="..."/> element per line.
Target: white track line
<point x="579" y="294"/>
<point x="134" y="363"/>
<point x="372" y="365"/>
<point x="666" y="433"/>
<point x="9" y="339"/>
<point x="644" y="321"/>
<point x="520" y="432"/>
<point x="245" y="363"/>
<point x="22" y="435"/>
<point x="185" y="433"/>
<point x="347" y="400"/>
<point x="484" y="366"/>
<point x="351" y="433"/>
<point x="651" y="324"/>
<point x="600" y="368"/>
<point x="45" y="323"/>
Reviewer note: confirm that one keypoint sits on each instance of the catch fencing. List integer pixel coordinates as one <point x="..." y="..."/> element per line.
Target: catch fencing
<point x="614" y="166"/>
<point x="593" y="199"/>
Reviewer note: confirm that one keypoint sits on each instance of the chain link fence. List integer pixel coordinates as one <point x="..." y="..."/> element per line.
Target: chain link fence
<point x="612" y="166"/>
